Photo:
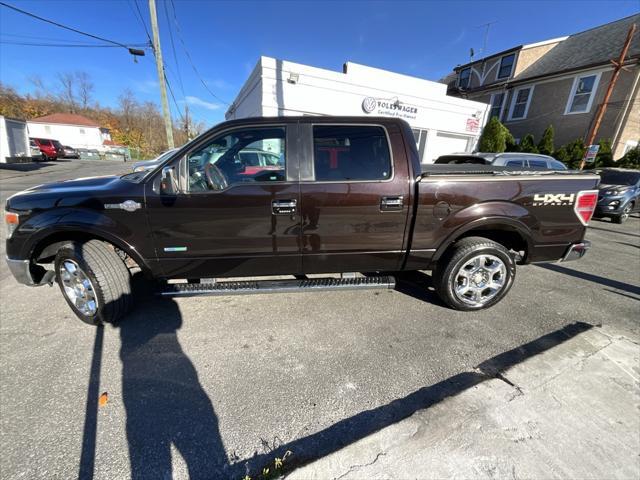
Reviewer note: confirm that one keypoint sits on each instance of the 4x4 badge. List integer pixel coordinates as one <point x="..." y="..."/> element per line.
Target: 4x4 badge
<point x="127" y="205"/>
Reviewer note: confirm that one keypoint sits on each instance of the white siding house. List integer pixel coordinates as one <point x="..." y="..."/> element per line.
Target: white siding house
<point x="69" y="129"/>
<point x="441" y="123"/>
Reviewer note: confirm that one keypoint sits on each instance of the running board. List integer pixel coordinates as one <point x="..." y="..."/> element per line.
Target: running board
<point x="277" y="286"/>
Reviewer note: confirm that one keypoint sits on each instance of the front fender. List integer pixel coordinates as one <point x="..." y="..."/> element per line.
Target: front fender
<point x="124" y="230"/>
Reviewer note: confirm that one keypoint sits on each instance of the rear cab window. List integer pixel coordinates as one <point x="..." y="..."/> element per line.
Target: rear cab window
<point x="343" y="153"/>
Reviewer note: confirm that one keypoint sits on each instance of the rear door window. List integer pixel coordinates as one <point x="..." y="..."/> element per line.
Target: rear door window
<point x="350" y="153"/>
<point x="538" y="164"/>
<point x="515" y="163"/>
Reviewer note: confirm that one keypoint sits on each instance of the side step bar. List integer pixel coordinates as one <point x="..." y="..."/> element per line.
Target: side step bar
<point x="277" y="286"/>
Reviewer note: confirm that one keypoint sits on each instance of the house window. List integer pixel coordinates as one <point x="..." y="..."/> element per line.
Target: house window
<point x="582" y="92"/>
<point x="82" y="131"/>
<point x="520" y="104"/>
<point x="47" y="128"/>
<point x="497" y="101"/>
<point x="465" y="76"/>
<point x="506" y="65"/>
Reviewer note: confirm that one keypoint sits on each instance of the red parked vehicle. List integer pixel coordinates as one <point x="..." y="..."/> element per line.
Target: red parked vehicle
<point x="48" y="148"/>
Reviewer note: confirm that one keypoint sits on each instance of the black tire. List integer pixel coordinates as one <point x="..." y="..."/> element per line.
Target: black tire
<point x="626" y="212"/>
<point x="445" y="274"/>
<point x="109" y="276"/>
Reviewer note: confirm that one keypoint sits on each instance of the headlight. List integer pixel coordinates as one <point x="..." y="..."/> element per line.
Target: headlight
<point x="616" y="192"/>
<point x="11" y="220"/>
<point x="139" y="169"/>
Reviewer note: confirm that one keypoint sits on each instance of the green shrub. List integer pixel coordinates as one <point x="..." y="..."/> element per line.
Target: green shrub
<point x="605" y="156"/>
<point x="493" y="138"/>
<point x="546" y="142"/>
<point x="631" y="159"/>
<point x="528" y="145"/>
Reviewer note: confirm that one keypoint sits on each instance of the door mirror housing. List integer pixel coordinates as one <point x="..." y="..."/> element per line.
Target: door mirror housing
<point x="168" y="181"/>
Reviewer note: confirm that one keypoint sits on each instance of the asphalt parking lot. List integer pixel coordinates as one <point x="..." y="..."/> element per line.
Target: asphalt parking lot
<point x="214" y="384"/>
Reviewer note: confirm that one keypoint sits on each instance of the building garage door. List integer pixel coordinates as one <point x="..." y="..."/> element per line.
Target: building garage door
<point x="446" y="143"/>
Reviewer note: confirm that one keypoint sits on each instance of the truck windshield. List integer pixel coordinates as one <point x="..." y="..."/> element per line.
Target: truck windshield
<point x="615" y="177"/>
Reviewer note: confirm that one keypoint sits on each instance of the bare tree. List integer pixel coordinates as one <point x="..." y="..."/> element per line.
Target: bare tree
<point x="67" y="93"/>
<point x="40" y="88"/>
<point x="85" y="89"/>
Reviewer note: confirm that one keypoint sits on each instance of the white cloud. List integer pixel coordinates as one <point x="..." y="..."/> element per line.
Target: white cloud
<point x="220" y="84"/>
<point x="198" y="102"/>
<point x="146" y="86"/>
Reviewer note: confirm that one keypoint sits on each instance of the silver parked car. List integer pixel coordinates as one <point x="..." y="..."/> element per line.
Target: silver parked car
<point x="145" y="165"/>
<point x="533" y="161"/>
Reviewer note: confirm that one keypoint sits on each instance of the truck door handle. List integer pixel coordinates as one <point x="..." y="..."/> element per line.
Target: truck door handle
<point x="391" y="203"/>
<point x="284" y="207"/>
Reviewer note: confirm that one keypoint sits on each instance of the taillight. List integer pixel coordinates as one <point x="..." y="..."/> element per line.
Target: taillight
<point x="586" y="202"/>
<point x="12" y="220"/>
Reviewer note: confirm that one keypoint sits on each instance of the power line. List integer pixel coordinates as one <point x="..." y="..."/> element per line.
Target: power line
<point x="166" y="79"/>
<point x="96" y="37"/>
<point x="179" y="33"/>
<point x="173" y="48"/>
<point x="63" y="40"/>
<point x="141" y="18"/>
<point x="71" y="45"/>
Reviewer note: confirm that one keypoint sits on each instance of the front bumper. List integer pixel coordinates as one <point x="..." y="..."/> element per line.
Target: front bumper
<point x="576" y="251"/>
<point x="28" y="274"/>
<point x="609" y="206"/>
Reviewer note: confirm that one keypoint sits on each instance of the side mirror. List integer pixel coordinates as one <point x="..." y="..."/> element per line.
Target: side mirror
<point x="168" y="183"/>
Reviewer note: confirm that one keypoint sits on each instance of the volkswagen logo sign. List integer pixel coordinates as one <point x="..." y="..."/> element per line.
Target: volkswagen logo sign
<point x="369" y="104"/>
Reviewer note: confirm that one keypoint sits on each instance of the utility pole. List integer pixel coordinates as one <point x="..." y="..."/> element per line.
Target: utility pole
<point x="602" y="108"/>
<point x="160" y="66"/>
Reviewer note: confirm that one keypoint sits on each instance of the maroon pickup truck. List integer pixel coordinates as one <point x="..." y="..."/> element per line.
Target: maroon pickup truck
<point x="338" y="202"/>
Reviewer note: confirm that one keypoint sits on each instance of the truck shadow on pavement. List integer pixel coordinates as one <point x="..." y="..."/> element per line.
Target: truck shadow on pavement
<point x="627" y="287"/>
<point x="166" y="404"/>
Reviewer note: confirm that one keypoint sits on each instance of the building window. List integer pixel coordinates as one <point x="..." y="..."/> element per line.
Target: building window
<point x="506" y="66"/>
<point x="465" y="76"/>
<point x="82" y="131"/>
<point x="582" y="94"/>
<point x="47" y="128"/>
<point x="520" y="103"/>
<point x="497" y="102"/>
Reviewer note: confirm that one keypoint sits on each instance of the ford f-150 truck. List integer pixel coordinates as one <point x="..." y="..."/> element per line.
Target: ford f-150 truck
<point x="345" y="205"/>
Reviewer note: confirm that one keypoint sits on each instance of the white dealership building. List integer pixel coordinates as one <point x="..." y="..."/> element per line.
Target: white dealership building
<point x="441" y="124"/>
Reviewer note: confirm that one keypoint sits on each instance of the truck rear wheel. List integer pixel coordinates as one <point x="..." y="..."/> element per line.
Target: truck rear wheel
<point x="94" y="281"/>
<point x="475" y="274"/>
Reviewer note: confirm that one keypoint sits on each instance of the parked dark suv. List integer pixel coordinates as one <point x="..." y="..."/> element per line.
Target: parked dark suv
<point x="619" y="193"/>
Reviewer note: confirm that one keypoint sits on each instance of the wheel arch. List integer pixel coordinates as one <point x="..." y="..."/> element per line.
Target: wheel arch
<point x="511" y="233"/>
<point x="46" y="248"/>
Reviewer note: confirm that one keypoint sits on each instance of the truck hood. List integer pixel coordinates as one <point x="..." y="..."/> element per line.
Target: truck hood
<point x="70" y="192"/>
<point x="78" y="184"/>
<point x="605" y="187"/>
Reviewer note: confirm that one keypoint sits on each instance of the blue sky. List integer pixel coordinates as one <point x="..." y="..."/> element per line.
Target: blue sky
<point x="225" y="38"/>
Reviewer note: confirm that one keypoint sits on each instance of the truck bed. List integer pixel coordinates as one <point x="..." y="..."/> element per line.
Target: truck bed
<point x="498" y="202"/>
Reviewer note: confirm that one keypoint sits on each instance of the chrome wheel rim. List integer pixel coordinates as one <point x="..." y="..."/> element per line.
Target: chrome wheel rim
<point x="77" y="287"/>
<point x="625" y="212"/>
<point x="479" y="280"/>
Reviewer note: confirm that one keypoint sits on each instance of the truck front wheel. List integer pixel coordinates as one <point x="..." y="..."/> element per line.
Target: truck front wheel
<point x="475" y="273"/>
<point x="94" y="281"/>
